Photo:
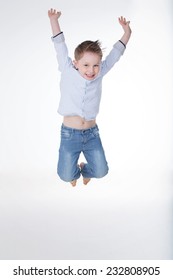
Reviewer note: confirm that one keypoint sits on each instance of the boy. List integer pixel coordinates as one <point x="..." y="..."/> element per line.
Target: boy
<point x="80" y="88"/>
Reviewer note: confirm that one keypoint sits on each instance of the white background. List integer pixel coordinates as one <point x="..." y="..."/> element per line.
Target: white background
<point x="127" y="214"/>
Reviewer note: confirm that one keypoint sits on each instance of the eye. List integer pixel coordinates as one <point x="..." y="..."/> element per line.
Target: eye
<point x="86" y="65"/>
<point x="97" y="65"/>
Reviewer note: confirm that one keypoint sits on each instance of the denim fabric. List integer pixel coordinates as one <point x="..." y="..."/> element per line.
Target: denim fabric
<point x="75" y="141"/>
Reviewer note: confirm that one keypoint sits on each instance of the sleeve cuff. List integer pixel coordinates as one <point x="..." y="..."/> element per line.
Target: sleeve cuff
<point x="58" y="38"/>
<point x="122" y="43"/>
<point x="57" y="34"/>
<point x="119" y="46"/>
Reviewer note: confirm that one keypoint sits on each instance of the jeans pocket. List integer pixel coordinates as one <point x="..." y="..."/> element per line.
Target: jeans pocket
<point x="66" y="134"/>
<point x="96" y="132"/>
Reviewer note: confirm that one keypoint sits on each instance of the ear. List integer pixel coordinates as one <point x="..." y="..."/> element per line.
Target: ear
<point x="75" y="64"/>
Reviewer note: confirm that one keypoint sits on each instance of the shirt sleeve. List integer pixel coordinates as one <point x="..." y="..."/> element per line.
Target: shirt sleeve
<point x="114" y="55"/>
<point x="61" y="50"/>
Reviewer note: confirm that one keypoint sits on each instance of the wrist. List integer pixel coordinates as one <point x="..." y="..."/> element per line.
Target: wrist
<point x="53" y="20"/>
<point x="128" y="31"/>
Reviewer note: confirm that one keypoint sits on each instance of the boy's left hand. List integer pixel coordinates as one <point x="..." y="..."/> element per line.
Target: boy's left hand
<point x="124" y="23"/>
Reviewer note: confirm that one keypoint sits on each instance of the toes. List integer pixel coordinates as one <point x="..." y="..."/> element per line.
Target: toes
<point x="82" y="165"/>
<point x="86" y="180"/>
<point x="73" y="183"/>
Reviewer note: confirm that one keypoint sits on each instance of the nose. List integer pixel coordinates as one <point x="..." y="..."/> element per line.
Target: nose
<point x="91" y="70"/>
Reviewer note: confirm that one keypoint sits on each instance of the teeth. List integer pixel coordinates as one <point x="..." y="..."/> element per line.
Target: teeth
<point x="90" y="76"/>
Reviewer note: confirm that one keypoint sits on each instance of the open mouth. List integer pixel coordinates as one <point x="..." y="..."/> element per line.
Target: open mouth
<point x="90" y="77"/>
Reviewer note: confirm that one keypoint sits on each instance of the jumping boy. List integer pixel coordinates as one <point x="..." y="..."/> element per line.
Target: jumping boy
<point x="80" y="86"/>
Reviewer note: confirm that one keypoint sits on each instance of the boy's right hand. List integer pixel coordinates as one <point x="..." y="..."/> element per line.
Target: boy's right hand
<point x="53" y="14"/>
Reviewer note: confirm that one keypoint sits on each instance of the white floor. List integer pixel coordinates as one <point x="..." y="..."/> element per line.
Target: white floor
<point x="125" y="217"/>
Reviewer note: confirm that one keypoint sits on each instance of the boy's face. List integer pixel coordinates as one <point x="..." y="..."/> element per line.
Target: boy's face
<point x="88" y="65"/>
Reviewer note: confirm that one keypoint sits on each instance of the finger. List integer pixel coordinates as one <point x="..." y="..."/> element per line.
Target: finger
<point x="49" y="12"/>
<point x="121" y="19"/>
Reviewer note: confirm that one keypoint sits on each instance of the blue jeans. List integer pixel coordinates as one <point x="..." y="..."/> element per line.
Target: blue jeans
<point x="75" y="141"/>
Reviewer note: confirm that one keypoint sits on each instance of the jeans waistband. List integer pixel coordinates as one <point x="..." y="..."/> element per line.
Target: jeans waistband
<point x="79" y="130"/>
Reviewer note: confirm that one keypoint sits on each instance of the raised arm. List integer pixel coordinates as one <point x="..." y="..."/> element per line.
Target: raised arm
<point x="59" y="41"/>
<point x="127" y="30"/>
<point x="54" y="16"/>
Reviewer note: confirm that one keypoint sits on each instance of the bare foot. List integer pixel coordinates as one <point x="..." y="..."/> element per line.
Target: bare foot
<point x="81" y="165"/>
<point x="73" y="183"/>
<point x="85" y="180"/>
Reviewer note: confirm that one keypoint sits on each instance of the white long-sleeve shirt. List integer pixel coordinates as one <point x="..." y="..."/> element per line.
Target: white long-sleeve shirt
<point x="81" y="97"/>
